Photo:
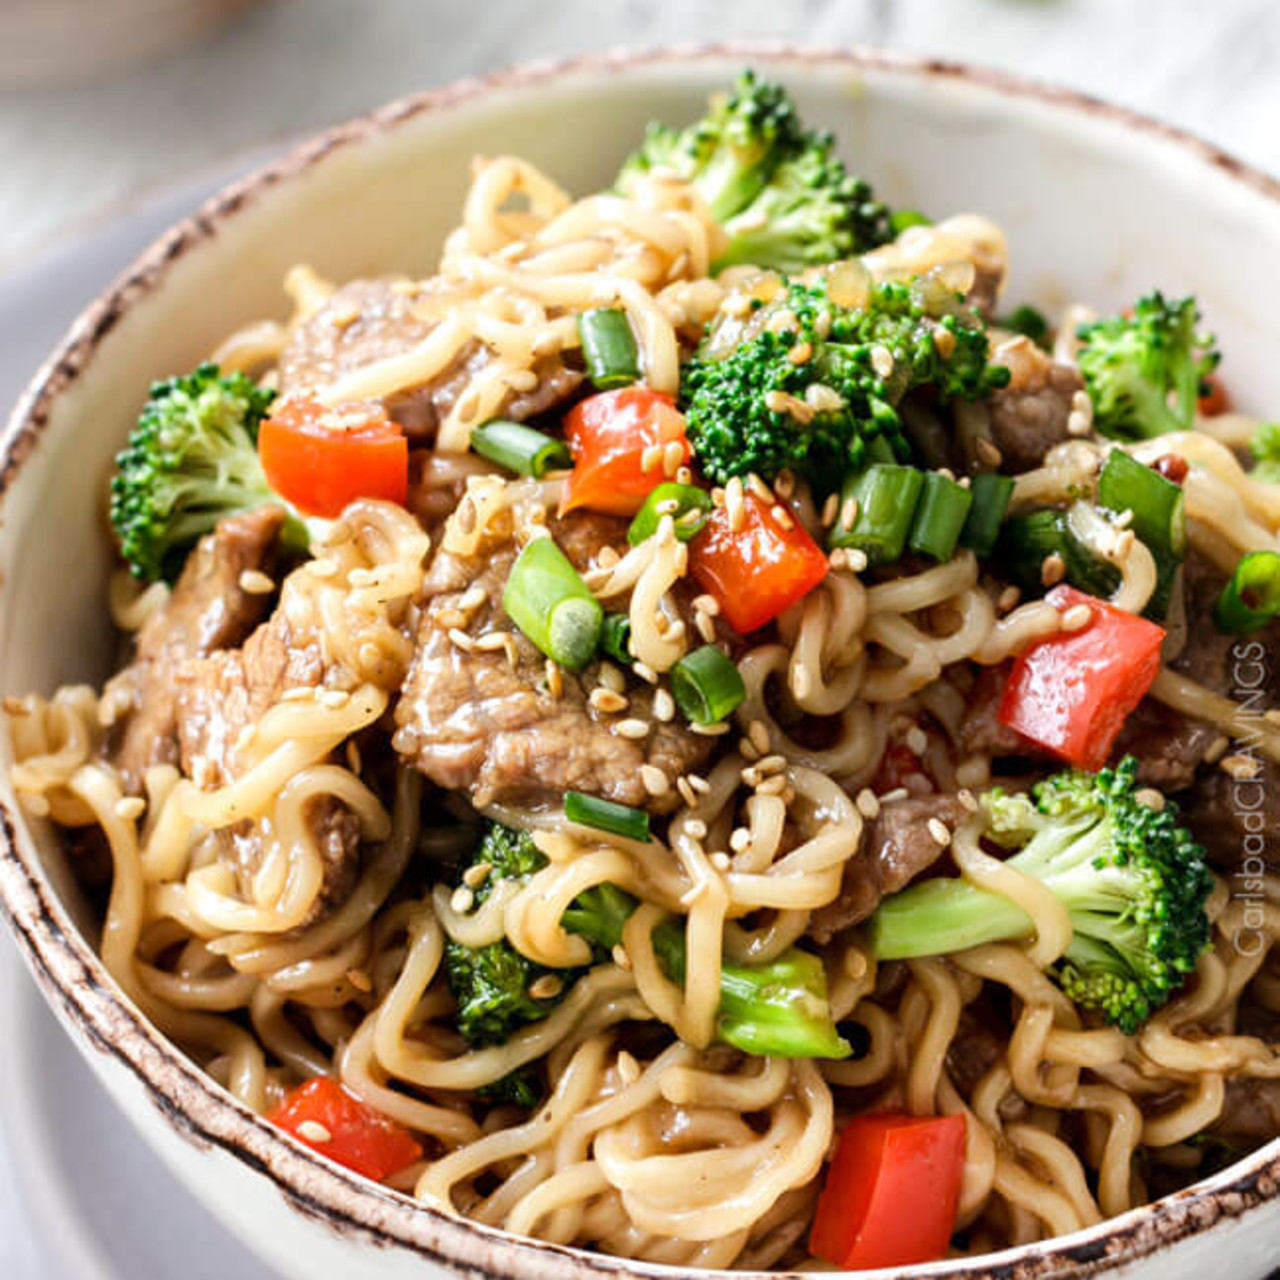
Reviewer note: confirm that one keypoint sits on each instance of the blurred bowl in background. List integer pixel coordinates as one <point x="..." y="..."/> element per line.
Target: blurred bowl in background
<point x="59" y="41"/>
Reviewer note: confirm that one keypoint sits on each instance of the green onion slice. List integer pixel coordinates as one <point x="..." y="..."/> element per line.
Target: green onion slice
<point x="707" y="686"/>
<point x="884" y="498"/>
<point x="604" y="815"/>
<point x="615" y="639"/>
<point x="1252" y="597"/>
<point x="519" y="448"/>
<point x="940" y="515"/>
<point x="1158" y="505"/>
<point x="991" y="495"/>
<point x="608" y="348"/>
<point x="692" y="507"/>
<point x="551" y="604"/>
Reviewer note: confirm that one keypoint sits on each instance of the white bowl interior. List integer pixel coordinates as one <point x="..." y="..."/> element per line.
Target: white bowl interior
<point x="1094" y="210"/>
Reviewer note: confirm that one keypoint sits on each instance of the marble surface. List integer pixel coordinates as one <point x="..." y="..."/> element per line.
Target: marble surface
<point x="291" y="65"/>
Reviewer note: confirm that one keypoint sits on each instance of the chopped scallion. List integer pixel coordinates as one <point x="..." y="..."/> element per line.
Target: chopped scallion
<point x="1252" y="597"/>
<point x="605" y="815"/>
<point x="1158" y="518"/>
<point x="608" y="348"/>
<point x="901" y="219"/>
<point x="1029" y="540"/>
<point x="691" y="508"/>
<point x="884" y="498"/>
<point x="615" y="639"/>
<point x="940" y="515"/>
<point x="991" y="494"/>
<point x="519" y="448"/>
<point x="707" y="686"/>
<point x="549" y="602"/>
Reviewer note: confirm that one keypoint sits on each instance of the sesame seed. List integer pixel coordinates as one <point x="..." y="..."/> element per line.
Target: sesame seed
<point x="784" y="483"/>
<point x="710" y="730"/>
<point x="645" y="672"/>
<point x="774" y="786"/>
<point x="822" y="398"/>
<point x="620" y="957"/>
<point x="856" y="559"/>
<point x="774" y="763"/>
<point x="740" y="839"/>
<point x="1150" y="797"/>
<point x="256" y="583"/>
<point x="462" y="900"/>
<point x="686" y="792"/>
<point x="664" y="706"/>
<point x="801" y="353"/>
<point x="988" y="453"/>
<point x="698" y="783"/>
<point x="882" y="361"/>
<point x="632" y="728"/>
<point x="892" y="797"/>
<point x="360" y="980"/>
<point x="656" y="783"/>
<point x="607" y="700"/>
<point x="461" y="640"/>
<point x="335" y="698"/>
<point x="734" y="501"/>
<point x="1077" y="617"/>
<point x="667" y="507"/>
<point x="612" y="678"/>
<point x="546" y="987"/>
<point x="491" y="641"/>
<point x="651" y="458"/>
<point x="673" y="457"/>
<point x="628" y="1068"/>
<point x="782" y="517"/>
<point x="1053" y="569"/>
<point x="758" y="487"/>
<point x="705" y="624"/>
<point x="472" y="599"/>
<point x="917" y="740"/>
<point x="684" y="475"/>
<point x="314" y="1131"/>
<point x="967" y="801"/>
<point x="555" y="679"/>
<point x="1217" y="749"/>
<point x="940" y="832"/>
<point x="759" y="735"/>
<point x="1240" y="767"/>
<point x="696" y="828"/>
<point x="830" y="509"/>
<point x="867" y="804"/>
<point x="474" y="876"/>
<point x="1008" y="599"/>
<point x="720" y="860"/>
<point x="1078" y="424"/>
<point x="848" y="513"/>
<point x="607" y="557"/>
<point x="130" y="807"/>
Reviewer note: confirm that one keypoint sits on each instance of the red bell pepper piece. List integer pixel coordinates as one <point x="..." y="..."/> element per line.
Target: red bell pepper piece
<point x="1072" y="692"/>
<point x="891" y="1192"/>
<point x="756" y="571"/>
<point x="358" y="1136"/>
<point x="323" y="459"/>
<point x="613" y="436"/>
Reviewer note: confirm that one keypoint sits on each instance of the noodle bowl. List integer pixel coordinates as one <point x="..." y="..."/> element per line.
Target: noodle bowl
<point x="268" y="976"/>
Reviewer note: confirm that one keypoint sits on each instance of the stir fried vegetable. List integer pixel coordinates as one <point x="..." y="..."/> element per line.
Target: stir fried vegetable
<point x="1071" y="692"/>
<point x="550" y="603"/>
<point x="1132" y="877"/>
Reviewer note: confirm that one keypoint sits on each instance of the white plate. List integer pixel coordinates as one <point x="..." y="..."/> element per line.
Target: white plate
<point x="81" y="1196"/>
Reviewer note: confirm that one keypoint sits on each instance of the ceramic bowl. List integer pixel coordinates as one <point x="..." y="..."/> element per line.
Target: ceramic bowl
<point x="1098" y="204"/>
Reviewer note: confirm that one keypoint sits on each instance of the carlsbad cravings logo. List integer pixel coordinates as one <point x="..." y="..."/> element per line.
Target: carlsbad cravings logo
<point x="1249" y="796"/>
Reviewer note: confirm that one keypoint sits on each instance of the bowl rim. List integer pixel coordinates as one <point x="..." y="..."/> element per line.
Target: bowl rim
<point x="73" y="978"/>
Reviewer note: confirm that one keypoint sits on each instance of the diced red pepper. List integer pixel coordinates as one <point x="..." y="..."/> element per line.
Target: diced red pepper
<point x="357" y="1136"/>
<point x="1215" y="400"/>
<point x="323" y="459"/>
<point x="759" y="569"/>
<point x="1072" y="692"/>
<point x="897" y="765"/>
<point x="891" y="1192"/>
<point x="619" y="441"/>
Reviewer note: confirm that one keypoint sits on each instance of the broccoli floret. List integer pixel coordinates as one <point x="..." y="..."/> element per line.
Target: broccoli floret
<point x="1146" y="371"/>
<point x="737" y="404"/>
<point x="783" y="198"/>
<point x="1265" y="447"/>
<point x="1131" y="876"/>
<point x="1027" y="321"/>
<point x="191" y="460"/>
<point x="778" y="1009"/>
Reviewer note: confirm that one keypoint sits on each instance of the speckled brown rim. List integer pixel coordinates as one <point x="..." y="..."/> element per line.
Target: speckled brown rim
<point x="75" y="982"/>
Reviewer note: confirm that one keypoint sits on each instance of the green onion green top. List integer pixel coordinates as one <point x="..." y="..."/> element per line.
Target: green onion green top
<point x="692" y="506"/>
<point x="519" y="448"/>
<point x="605" y="815"/>
<point x="1252" y="597"/>
<point x="549" y="602"/>
<point x="609" y="348"/>
<point x="707" y="686"/>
